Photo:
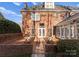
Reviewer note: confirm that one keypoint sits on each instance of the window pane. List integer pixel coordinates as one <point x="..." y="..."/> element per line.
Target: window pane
<point x="62" y="31"/>
<point x="32" y="16"/>
<point x="39" y="32"/>
<point x="33" y="32"/>
<point x="43" y="32"/>
<point x="37" y="16"/>
<point x="54" y="30"/>
<point x="66" y="32"/>
<point x="72" y="31"/>
<point x="42" y="25"/>
<point x="58" y="31"/>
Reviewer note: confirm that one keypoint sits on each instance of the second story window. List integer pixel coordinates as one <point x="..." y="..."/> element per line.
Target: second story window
<point x="35" y="16"/>
<point x="62" y="32"/>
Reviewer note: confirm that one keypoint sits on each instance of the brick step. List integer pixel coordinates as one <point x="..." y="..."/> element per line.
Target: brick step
<point x="39" y="51"/>
<point x="38" y="55"/>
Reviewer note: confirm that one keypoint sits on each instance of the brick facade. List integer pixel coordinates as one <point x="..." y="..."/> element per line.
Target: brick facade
<point x="49" y="18"/>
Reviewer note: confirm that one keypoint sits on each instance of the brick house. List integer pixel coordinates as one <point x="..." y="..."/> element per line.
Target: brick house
<point x="40" y="21"/>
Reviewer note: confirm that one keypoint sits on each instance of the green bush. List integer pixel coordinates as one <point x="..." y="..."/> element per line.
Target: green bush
<point x="69" y="47"/>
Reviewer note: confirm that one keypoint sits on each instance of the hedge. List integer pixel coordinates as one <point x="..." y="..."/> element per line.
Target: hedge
<point x="69" y="47"/>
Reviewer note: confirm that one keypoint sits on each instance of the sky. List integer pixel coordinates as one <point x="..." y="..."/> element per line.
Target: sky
<point x="11" y="10"/>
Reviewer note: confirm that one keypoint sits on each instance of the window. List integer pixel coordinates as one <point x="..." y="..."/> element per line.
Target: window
<point x="33" y="32"/>
<point x="54" y="30"/>
<point x="58" y="31"/>
<point x="41" y="30"/>
<point x="35" y="16"/>
<point x="72" y="31"/>
<point x="66" y="32"/>
<point x="62" y="32"/>
<point x="49" y="5"/>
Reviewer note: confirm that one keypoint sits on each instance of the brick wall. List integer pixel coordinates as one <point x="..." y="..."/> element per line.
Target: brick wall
<point x="12" y="36"/>
<point x="15" y="50"/>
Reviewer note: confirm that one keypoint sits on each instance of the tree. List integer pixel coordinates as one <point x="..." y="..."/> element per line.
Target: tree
<point x="7" y="26"/>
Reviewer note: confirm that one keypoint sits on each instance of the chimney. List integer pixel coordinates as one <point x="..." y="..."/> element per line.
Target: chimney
<point x="68" y="14"/>
<point x="43" y="4"/>
<point x="26" y="6"/>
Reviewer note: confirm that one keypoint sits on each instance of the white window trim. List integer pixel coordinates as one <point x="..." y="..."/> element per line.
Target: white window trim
<point x="39" y="33"/>
<point x="32" y="15"/>
<point x="73" y="33"/>
<point x="63" y="37"/>
<point x="35" y="15"/>
<point x="66" y="36"/>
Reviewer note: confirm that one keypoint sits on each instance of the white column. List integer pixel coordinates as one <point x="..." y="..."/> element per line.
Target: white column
<point x="60" y="32"/>
<point x="64" y="32"/>
<point x="69" y="32"/>
<point x="75" y="27"/>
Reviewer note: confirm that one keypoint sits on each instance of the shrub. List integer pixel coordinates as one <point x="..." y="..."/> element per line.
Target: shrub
<point x="69" y="47"/>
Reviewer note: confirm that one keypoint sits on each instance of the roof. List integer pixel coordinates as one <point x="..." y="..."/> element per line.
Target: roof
<point x="42" y="8"/>
<point x="69" y="20"/>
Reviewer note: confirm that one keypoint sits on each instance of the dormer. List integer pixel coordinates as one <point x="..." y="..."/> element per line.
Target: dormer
<point x="49" y="5"/>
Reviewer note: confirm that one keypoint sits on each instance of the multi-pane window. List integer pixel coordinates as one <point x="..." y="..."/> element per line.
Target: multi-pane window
<point x="72" y="31"/>
<point x="54" y="30"/>
<point x="33" y="32"/>
<point x="58" y="31"/>
<point x="41" y="30"/>
<point x="35" y="16"/>
<point x="66" y="32"/>
<point x="62" y="32"/>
